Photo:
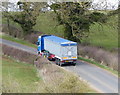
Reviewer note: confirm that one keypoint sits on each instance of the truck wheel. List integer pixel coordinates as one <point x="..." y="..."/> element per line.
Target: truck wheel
<point x="60" y="63"/>
<point x="56" y="61"/>
<point x="38" y="53"/>
<point x="74" y="64"/>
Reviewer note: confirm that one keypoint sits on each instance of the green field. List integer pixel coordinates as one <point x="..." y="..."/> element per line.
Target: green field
<point x="105" y="36"/>
<point x="101" y="35"/>
<point x="48" y="24"/>
<point x="18" y="76"/>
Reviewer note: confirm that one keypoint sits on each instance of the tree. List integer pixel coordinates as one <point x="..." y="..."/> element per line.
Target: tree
<point x="29" y="11"/>
<point x="76" y="18"/>
<point x="5" y="13"/>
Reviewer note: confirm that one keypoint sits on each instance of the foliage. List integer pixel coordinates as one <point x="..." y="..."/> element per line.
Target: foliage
<point x="98" y="17"/>
<point x="29" y="11"/>
<point x="4" y="6"/>
<point x="77" y="18"/>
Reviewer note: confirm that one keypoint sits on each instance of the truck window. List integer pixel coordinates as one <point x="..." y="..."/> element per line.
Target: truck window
<point x="38" y="43"/>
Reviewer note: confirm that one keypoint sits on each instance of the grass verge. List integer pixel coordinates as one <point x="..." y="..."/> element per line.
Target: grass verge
<point x="18" y="77"/>
<point x="99" y="65"/>
<point x="7" y="37"/>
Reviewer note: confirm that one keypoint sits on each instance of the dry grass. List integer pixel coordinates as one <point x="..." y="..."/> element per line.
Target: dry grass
<point x="57" y="80"/>
<point x="99" y="55"/>
<point x="18" y="54"/>
<point x="33" y="37"/>
<point x="12" y="31"/>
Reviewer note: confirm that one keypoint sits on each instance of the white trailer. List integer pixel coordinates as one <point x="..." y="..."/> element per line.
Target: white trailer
<point x="65" y="51"/>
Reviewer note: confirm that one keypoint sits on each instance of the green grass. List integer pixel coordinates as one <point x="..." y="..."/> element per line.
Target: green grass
<point x="12" y="23"/>
<point x="10" y="38"/>
<point x="48" y="24"/>
<point x="99" y="65"/>
<point x="106" y="35"/>
<point x="18" y="76"/>
<point x="0" y="74"/>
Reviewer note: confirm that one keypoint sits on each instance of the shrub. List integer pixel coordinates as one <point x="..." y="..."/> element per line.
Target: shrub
<point x="99" y="55"/>
<point x="18" y="54"/>
<point x="33" y="36"/>
<point x="13" y="31"/>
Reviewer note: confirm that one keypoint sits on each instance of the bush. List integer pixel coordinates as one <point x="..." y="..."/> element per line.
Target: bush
<point x="99" y="55"/>
<point x="33" y="36"/>
<point x="18" y="54"/>
<point x="13" y="31"/>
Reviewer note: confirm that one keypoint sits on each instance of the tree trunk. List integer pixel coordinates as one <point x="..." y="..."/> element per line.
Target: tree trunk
<point x="8" y="24"/>
<point x="68" y="34"/>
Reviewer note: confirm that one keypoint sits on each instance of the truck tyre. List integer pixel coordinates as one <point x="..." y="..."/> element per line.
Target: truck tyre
<point x="74" y="64"/>
<point x="60" y="63"/>
<point x="38" y="53"/>
<point x="56" y="61"/>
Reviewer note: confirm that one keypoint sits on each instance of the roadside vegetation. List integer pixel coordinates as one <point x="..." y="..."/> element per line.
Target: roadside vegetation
<point x="0" y="72"/>
<point x="17" y="40"/>
<point x="18" y="77"/>
<point x="99" y="65"/>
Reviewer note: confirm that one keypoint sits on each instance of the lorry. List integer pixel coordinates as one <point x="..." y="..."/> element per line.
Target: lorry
<point x="57" y="49"/>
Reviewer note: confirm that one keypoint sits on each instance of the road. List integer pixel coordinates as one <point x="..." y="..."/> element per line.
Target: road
<point x="98" y="78"/>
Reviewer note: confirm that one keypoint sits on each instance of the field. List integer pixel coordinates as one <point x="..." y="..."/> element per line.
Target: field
<point x="48" y="24"/>
<point x="105" y="36"/>
<point x="101" y="35"/>
<point x="18" y="77"/>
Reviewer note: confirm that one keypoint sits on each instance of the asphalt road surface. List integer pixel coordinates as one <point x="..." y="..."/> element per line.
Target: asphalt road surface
<point x="98" y="78"/>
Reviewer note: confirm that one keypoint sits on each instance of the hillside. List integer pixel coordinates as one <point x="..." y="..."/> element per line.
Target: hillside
<point x="18" y="77"/>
